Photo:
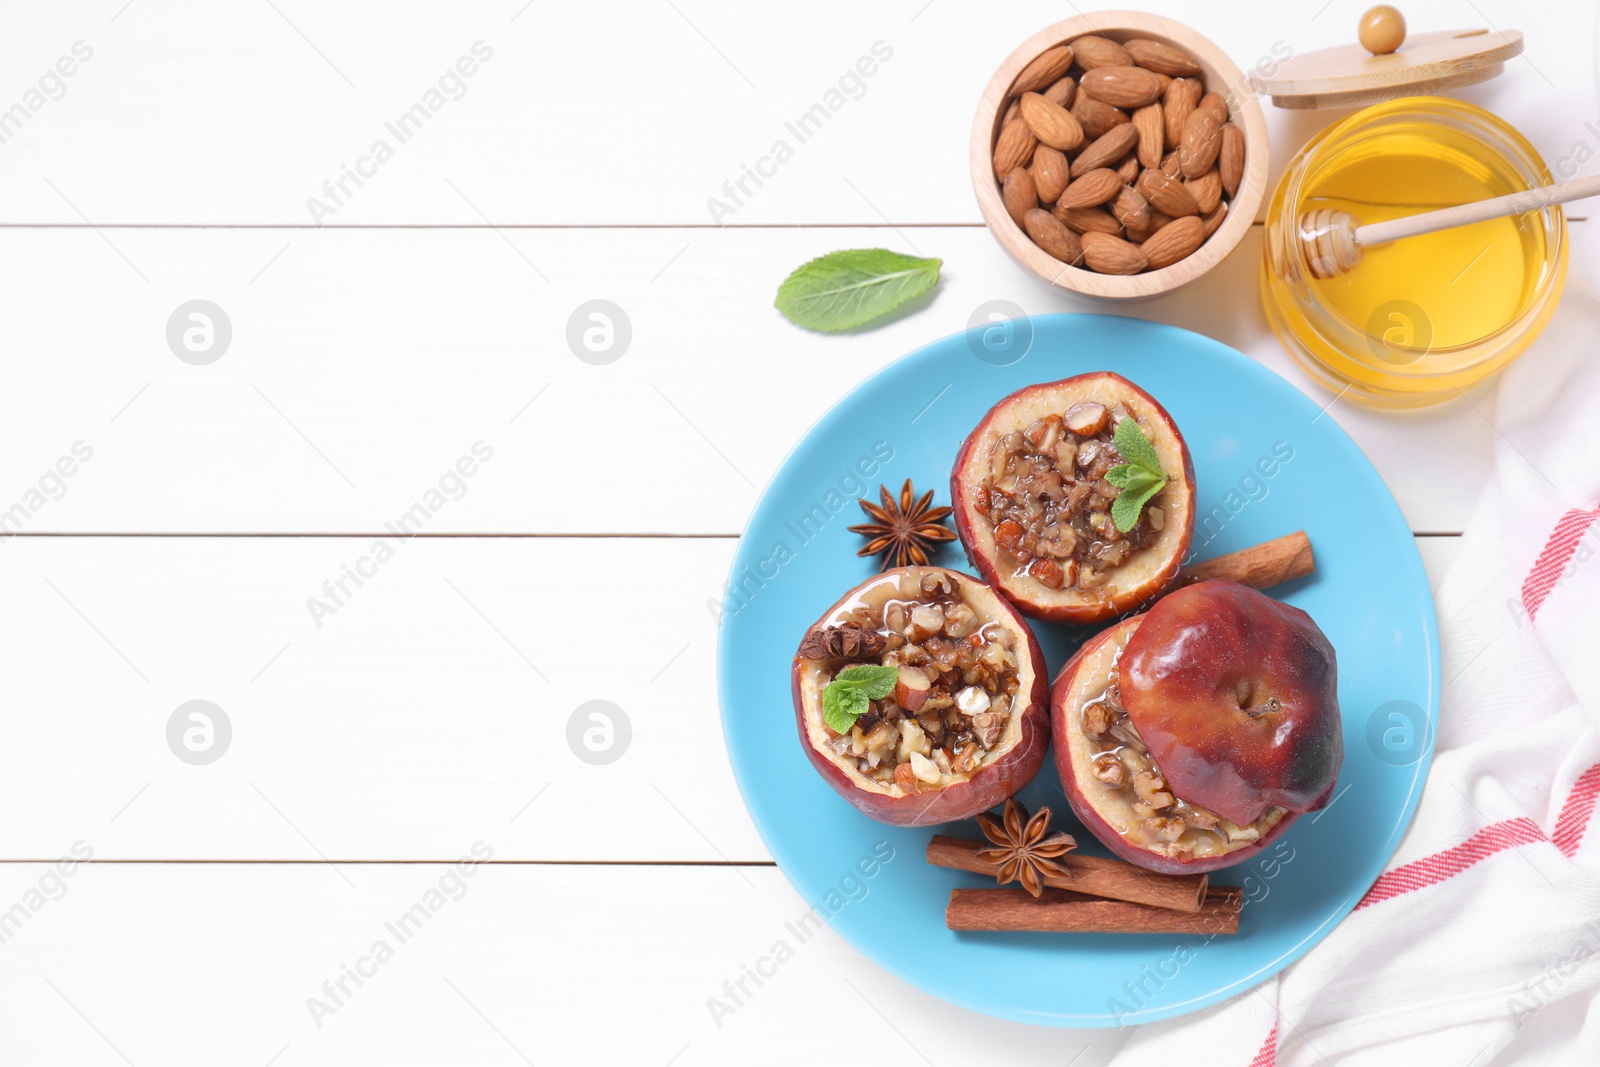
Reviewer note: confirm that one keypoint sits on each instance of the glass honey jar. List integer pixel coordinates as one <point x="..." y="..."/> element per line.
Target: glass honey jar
<point x="1421" y="319"/>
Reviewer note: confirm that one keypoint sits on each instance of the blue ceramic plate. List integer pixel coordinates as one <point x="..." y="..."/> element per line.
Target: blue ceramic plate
<point x="1267" y="463"/>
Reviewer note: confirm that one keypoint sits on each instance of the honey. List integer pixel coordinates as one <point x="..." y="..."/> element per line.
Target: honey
<point x="1419" y="319"/>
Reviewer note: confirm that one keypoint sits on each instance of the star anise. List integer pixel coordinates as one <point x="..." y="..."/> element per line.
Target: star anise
<point x="1023" y="852"/>
<point x="904" y="530"/>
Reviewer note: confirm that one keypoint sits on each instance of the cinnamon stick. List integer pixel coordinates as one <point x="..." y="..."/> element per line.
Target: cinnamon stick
<point x="1282" y="559"/>
<point x="1091" y="876"/>
<point x="1060" y="911"/>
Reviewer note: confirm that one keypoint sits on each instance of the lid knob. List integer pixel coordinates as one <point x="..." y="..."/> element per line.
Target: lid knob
<point x="1382" y="29"/>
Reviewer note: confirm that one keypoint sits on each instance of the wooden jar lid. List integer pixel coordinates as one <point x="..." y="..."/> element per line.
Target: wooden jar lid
<point x="1350" y="76"/>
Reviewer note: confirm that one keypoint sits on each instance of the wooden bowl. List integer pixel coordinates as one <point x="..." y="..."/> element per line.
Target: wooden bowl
<point x="1221" y="76"/>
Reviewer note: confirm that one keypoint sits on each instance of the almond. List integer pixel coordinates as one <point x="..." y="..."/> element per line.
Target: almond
<point x="1206" y="190"/>
<point x="1050" y="173"/>
<point x="1167" y="195"/>
<point x="1062" y="92"/>
<point x="1013" y="112"/>
<point x="1169" y="164"/>
<point x="1014" y="148"/>
<point x="1202" y="140"/>
<point x="1230" y="158"/>
<point x="1152" y="131"/>
<point x="1157" y="220"/>
<point x="1131" y="209"/>
<point x="1048" y="66"/>
<point x="1091" y="189"/>
<point x="1052" y="236"/>
<point x="1128" y="169"/>
<point x="1214" y="103"/>
<point x="1122" y="86"/>
<point x="1161" y="58"/>
<point x="1051" y="123"/>
<point x="1173" y="242"/>
<point x="1107" y="149"/>
<point x="1096" y="118"/>
<point x="1112" y="255"/>
<point x="1019" y="193"/>
<point x="1087" y="219"/>
<point x="1176" y="104"/>
<point x="1093" y="51"/>
<point x="1214" y="219"/>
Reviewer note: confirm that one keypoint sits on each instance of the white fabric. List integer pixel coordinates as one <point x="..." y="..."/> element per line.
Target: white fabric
<point x="1500" y="963"/>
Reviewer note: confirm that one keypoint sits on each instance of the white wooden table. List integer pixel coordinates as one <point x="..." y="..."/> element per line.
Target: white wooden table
<point x="425" y="713"/>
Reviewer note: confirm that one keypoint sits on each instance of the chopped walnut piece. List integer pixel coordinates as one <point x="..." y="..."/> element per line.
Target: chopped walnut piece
<point x="1151" y="788"/>
<point x="924" y="768"/>
<point x="989" y="727"/>
<point x="1097" y="718"/>
<point x="1111" y="771"/>
<point x="1164" y="830"/>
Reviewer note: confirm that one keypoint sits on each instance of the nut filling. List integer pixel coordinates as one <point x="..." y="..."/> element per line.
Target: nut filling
<point x="956" y="691"/>
<point x="1156" y="819"/>
<point x="1047" y="497"/>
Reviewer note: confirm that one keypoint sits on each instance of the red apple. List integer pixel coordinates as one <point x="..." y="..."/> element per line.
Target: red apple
<point x="1216" y="711"/>
<point x="1032" y="503"/>
<point x="1003" y="716"/>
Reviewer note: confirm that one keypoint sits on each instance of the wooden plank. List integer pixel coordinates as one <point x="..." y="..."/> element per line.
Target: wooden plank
<point x="229" y="115"/>
<point x="215" y="963"/>
<point x="432" y="704"/>
<point x="364" y="364"/>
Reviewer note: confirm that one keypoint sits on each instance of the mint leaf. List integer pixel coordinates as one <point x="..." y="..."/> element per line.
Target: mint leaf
<point x="1129" y="503"/>
<point x="842" y="705"/>
<point x="876" y="682"/>
<point x="1127" y="476"/>
<point x="843" y="290"/>
<point x="1130" y="441"/>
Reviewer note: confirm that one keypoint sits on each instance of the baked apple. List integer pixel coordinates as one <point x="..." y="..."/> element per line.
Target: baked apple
<point x="922" y="697"/>
<point x="1051" y="510"/>
<point x="1190" y="737"/>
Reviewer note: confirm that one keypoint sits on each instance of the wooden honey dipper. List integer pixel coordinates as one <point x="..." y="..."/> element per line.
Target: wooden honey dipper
<point x="1334" y="240"/>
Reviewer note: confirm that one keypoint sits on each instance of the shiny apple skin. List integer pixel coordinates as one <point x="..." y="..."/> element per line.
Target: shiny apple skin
<point x="1033" y="599"/>
<point x="1061" y="710"/>
<point x="1205" y="652"/>
<point x="986" y="789"/>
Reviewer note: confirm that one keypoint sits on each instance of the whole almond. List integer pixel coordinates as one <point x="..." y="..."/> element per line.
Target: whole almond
<point x="1096" y="118"/>
<point x="1131" y="209"/>
<point x="1019" y="194"/>
<point x="1202" y="140"/>
<point x="1093" y="51"/>
<point x="1152" y="131"/>
<point x="1167" y="195"/>
<point x="1176" y="105"/>
<point x="1171" y="243"/>
<point x="1014" y="148"/>
<point x="1157" y="220"/>
<point x="1230" y="158"/>
<point x="1214" y="219"/>
<point x="1050" y="173"/>
<point x="1122" y="86"/>
<point x="1049" y="65"/>
<point x="1087" y="219"/>
<point x="1092" y="189"/>
<point x="1051" y="123"/>
<point x="1161" y="58"/>
<point x="1214" y="103"/>
<point x="1128" y="169"/>
<point x="1062" y="92"/>
<point x="1112" y="255"/>
<point x="1206" y="190"/>
<point x="1046" y="231"/>
<point x="1169" y="165"/>
<point x="1107" y="149"/>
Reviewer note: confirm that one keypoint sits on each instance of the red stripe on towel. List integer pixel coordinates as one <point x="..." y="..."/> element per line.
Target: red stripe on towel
<point x="1555" y="556"/>
<point x="1268" y="1054"/>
